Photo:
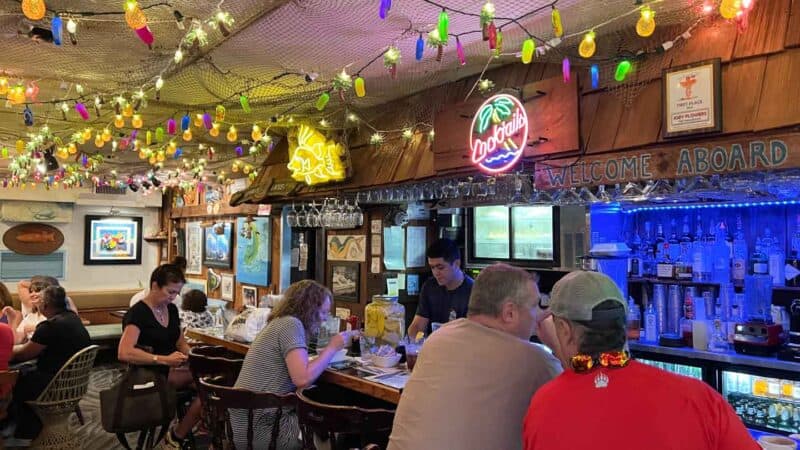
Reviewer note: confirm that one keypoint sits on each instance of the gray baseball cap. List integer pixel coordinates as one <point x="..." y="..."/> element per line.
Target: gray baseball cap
<point x="575" y="296"/>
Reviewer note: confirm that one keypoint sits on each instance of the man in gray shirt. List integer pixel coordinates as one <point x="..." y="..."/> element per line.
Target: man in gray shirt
<point x="475" y="377"/>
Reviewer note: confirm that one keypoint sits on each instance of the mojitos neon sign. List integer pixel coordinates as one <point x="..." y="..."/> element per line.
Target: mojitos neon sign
<point x="498" y="134"/>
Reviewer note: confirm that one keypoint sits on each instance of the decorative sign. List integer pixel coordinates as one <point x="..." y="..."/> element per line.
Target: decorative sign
<point x="499" y="133"/>
<point x="668" y="162"/>
<point x="33" y="239"/>
<point x="314" y="159"/>
<point x="692" y="99"/>
<point x="19" y="211"/>
<point x="347" y="247"/>
<point x="112" y="240"/>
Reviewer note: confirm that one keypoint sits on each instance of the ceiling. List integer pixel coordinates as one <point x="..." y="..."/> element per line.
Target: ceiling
<point x="267" y="54"/>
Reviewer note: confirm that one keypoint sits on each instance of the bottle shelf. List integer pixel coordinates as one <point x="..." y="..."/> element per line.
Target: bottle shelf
<point x="656" y="280"/>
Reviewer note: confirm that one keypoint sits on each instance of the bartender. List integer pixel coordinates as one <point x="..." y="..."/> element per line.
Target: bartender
<point x="445" y="296"/>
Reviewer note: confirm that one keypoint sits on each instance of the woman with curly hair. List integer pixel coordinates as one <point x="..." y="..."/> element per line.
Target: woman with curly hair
<point x="278" y="362"/>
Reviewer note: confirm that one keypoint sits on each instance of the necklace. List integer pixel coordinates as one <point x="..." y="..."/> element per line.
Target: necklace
<point x="585" y="363"/>
<point x="160" y="314"/>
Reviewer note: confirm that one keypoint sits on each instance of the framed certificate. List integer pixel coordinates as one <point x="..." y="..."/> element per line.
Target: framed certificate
<point x="692" y="99"/>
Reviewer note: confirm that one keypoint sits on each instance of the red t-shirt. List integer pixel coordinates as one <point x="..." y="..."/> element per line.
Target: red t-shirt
<point x="6" y="350"/>
<point x="635" y="407"/>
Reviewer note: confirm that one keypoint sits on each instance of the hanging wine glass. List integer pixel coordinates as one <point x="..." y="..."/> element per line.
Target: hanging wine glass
<point x="291" y="216"/>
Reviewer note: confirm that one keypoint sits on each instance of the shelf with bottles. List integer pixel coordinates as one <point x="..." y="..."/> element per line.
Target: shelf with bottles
<point x="656" y="280"/>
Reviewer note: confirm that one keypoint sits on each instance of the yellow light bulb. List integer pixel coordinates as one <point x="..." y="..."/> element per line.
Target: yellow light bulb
<point x="232" y="134"/>
<point x="136" y="122"/>
<point x="106" y="135"/>
<point x="135" y="17"/>
<point x="187" y="134"/>
<point x="62" y="153"/>
<point x="127" y="111"/>
<point x="729" y="8"/>
<point x="152" y="160"/>
<point x="3" y="85"/>
<point x="98" y="140"/>
<point x="198" y="120"/>
<point x="34" y="9"/>
<point x="20" y="145"/>
<point x="160" y="156"/>
<point x="646" y="24"/>
<point x="72" y="148"/>
<point x="235" y="167"/>
<point x="87" y="134"/>
<point x="119" y="121"/>
<point x="214" y="131"/>
<point x="588" y="45"/>
<point x="172" y="146"/>
<point x="256" y="134"/>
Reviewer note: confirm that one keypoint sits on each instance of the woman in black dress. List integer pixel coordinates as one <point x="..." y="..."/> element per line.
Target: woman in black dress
<point x="151" y="336"/>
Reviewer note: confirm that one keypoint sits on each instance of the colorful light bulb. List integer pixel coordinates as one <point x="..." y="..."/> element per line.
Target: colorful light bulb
<point x="134" y="16"/>
<point x="623" y="69"/>
<point x="528" y="47"/>
<point x="136" y="121"/>
<point x="34" y="9"/>
<point x="565" y="70"/>
<point x="420" y="48"/>
<point x="443" y="25"/>
<point x="185" y="120"/>
<point x="322" y="101"/>
<point x="646" y="24"/>
<point x="594" y="73"/>
<point x="358" y="86"/>
<point x="460" y="52"/>
<point x="555" y="20"/>
<point x="3" y="85"/>
<point x="214" y="131"/>
<point x="160" y="134"/>
<point x="256" y="133"/>
<point x="219" y="113"/>
<point x="127" y="111"/>
<point x="82" y="111"/>
<point x="588" y="46"/>
<point x="245" y="102"/>
<point x="171" y="126"/>
<point x="119" y="121"/>
<point x="56" y="29"/>
<point x="232" y="134"/>
<point x="146" y="36"/>
<point x="385" y="6"/>
<point x="187" y="134"/>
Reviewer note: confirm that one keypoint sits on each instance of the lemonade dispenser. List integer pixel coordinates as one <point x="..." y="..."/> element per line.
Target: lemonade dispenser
<point x="385" y="320"/>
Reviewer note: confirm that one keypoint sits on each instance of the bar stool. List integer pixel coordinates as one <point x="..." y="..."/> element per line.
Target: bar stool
<point x="217" y="362"/>
<point x="222" y="398"/>
<point x="330" y="420"/>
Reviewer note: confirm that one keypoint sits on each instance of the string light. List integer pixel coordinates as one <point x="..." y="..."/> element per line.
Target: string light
<point x="623" y="69"/>
<point x="588" y="46"/>
<point x="528" y="47"/>
<point x="646" y="24"/>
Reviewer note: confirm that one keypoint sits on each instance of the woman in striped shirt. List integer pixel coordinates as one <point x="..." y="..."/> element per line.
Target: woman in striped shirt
<point x="278" y="361"/>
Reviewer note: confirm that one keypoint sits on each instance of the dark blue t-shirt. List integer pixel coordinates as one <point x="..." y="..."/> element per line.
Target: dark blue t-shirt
<point x="436" y="302"/>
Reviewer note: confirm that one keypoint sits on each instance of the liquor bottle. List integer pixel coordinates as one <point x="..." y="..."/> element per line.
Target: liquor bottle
<point x="739" y="263"/>
<point x="650" y="324"/>
<point x="686" y="238"/>
<point x="635" y="262"/>
<point x="665" y="266"/>
<point x="700" y="270"/>
<point x="674" y="243"/>
<point x="683" y="267"/>
<point x="722" y="256"/>
<point x="658" y="244"/>
<point x="793" y="263"/>
<point x="634" y="321"/>
<point x="759" y="263"/>
<point x="777" y="262"/>
<point x="649" y="263"/>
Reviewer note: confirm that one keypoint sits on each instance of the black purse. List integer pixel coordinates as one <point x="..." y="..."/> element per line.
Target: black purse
<point x="139" y="401"/>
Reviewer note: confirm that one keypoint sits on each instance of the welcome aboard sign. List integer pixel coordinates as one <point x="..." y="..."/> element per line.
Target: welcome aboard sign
<point x="668" y="162"/>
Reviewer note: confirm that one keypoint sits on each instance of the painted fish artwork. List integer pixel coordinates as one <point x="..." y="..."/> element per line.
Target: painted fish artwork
<point x="113" y="240"/>
<point x="41" y="236"/>
<point x="252" y="250"/>
<point x="347" y="248"/>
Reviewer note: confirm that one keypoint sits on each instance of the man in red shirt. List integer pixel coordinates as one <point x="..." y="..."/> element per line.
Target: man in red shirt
<point x="605" y="401"/>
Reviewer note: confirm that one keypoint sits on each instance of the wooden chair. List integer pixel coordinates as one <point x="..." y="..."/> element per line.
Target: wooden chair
<point x="214" y="360"/>
<point x="222" y="398"/>
<point x="328" y="420"/>
<point x="59" y="399"/>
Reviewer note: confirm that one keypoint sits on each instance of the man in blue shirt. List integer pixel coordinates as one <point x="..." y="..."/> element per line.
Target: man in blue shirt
<point x="445" y="296"/>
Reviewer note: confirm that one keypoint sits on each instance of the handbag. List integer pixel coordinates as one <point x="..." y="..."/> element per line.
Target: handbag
<point x="140" y="400"/>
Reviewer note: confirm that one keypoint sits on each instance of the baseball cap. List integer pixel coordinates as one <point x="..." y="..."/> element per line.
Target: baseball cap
<point x="575" y="296"/>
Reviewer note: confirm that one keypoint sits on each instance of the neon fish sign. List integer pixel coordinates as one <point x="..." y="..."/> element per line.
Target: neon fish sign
<point x="498" y="134"/>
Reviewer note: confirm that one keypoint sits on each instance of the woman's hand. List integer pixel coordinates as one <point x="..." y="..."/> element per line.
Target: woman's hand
<point x="174" y="359"/>
<point x="339" y="340"/>
<point x="14" y="316"/>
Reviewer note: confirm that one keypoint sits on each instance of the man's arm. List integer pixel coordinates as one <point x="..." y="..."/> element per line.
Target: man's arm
<point x="27" y="351"/>
<point x="418" y="324"/>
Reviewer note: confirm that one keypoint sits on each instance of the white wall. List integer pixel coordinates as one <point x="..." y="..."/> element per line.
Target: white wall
<point x="87" y="278"/>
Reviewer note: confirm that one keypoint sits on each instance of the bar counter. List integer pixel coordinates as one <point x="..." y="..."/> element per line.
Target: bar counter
<point x="728" y="357"/>
<point x="346" y="378"/>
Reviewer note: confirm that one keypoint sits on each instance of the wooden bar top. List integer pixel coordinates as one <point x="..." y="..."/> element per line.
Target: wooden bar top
<point x="347" y="378"/>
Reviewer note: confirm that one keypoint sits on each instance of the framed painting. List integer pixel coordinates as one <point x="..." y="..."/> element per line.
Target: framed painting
<point x="227" y="287"/>
<point x="195" y="283"/>
<point x="110" y="240"/>
<point x="347" y="247"/>
<point x="344" y="281"/>
<point x="194" y="248"/>
<point x="250" y="296"/>
<point x="217" y="251"/>
<point x="692" y="99"/>
<point x="252" y="250"/>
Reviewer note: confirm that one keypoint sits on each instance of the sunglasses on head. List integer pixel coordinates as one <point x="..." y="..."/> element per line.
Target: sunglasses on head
<point x="611" y="360"/>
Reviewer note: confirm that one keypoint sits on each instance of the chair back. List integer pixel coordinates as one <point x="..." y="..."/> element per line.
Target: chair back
<point x="214" y="360"/>
<point x="222" y="398"/>
<point x="327" y="420"/>
<point x="8" y="378"/>
<point x="70" y="383"/>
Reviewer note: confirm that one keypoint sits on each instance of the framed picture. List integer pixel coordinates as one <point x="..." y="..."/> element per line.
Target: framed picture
<point x="347" y="247"/>
<point x="227" y="287"/>
<point x="250" y="296"/>
<point x="252" y="250"/>
<point x="112" y="240"/>
<point x="344" y="281"/>
<point x="692" y="99"/>
<point x="194" y="248"/>
<point x="217" y="251"/>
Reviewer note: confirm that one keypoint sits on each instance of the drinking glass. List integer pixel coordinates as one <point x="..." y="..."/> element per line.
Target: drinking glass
<point x="491" y="186"/>
<point x="302" y="217"/>
<point x="359" y="215"/>
<point x="314" y="219"/>
<point x="586" y="196"/>
<point x="602" y="194"/>
<point x="517" y="198"/>
<point x="291" y="216"/>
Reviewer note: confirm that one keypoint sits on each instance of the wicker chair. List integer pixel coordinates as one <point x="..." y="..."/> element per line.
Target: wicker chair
<point x="59" y="399"/>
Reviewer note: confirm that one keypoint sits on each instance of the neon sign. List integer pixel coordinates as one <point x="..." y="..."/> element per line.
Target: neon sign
<point x="498" y="133"/>
<point x="315" y="160"/>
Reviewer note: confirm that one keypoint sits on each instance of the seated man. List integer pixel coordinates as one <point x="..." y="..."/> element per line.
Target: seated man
<point x="179" y="261"/>
<point x="54" y="342"/>
<point x="475" y="376"/>
<point x="29" y="292"/>
<point x="605" y="400"/>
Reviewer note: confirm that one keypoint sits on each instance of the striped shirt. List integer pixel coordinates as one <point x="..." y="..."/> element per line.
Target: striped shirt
<point x="265" y="370"/>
